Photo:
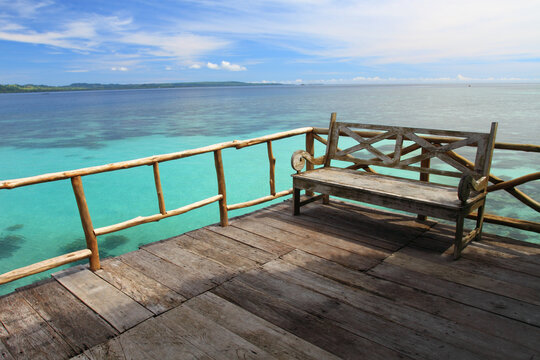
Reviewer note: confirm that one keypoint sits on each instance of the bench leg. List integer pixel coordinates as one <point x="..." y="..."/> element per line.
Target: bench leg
<point x="296" y="201"/>
<point x="326" y="199"/>
<point x="480" y="221"/>
<point x="459" y="236"/>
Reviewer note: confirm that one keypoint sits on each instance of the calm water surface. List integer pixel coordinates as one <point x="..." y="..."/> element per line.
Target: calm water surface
<point x="49" y="132"/>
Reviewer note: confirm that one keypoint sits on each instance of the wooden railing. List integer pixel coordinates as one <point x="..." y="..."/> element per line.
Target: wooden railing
<point x="91" y="233"/>
<point x="312" y="134"/>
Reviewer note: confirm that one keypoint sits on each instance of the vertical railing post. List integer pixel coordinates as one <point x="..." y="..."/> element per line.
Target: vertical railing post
<point x="310" y="148"/>
<point x="272" y="161"/>
<point x="91" y="240"/>
<point x="224" y="220"/>
<point x="159" y="190"/>
<point x="426" y="163"/>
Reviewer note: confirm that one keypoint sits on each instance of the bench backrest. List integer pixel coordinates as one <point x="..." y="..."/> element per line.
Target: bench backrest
<point x="434" y="143"/>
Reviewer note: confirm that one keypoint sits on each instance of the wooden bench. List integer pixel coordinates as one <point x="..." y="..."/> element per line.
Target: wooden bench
<point x="413" y="150"/>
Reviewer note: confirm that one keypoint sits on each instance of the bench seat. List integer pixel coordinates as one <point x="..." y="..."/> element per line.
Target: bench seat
<point x="393" y="192"/>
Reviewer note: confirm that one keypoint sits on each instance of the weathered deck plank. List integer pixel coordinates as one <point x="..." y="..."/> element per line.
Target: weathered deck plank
<point x="488" y="254"/>
<point x="498" y="304"/>
<point x="190" y="262"/>
<point x="373" y="327"/>
<point x="271" y="338"/>
<point x="309" y="245"/>
<point x="117" y="308"/>
<point x="371" y="252"/>
<point x="501" y="326"/>
<point x="339" y="281"/>
<point x="418" y="320"/>
<point x="146" y="291"/>
<point x="29" y="336"/>
<point x="149" y="340"/>
<point x="75" y="322"/>
<point x="197" y="243"/>
<point x="324" y="334"/>
<point x="260" y="242"/>
<point x="179" y="279"/>
<point x="339" y="220"/>
<point x="4" y="352"/>
<point x="230" y="246"/>
<point x="444" y="268"/>
<point x="217" y="341"/>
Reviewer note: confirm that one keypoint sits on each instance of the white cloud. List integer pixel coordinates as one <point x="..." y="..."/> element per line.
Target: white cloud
<point x="168" y="68"/>
<point x="195" y="66"/>
<point x="119" y="68"/>
<point x="385" y="31"/>
<point x="23" y="8"/>
<point x="103" y="34"/>
<point x="225" y="65"/>
<point x="77" y="71"/>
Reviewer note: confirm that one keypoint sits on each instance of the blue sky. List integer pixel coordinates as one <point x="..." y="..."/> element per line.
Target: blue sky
<point x="291" y="41"/>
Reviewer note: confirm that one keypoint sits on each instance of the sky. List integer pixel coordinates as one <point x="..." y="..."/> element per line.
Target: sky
<point x="59" y="42"/>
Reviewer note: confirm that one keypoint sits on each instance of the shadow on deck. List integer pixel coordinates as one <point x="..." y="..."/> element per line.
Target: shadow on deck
<point x="339" y="281"/>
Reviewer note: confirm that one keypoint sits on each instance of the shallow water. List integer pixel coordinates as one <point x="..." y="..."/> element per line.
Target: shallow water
<point x="51" y="132"/>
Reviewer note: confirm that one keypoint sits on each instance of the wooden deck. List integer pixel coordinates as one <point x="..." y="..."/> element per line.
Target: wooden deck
<point x="339" y="281"/>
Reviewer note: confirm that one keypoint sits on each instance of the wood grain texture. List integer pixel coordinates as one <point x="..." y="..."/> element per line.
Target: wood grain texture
<point x="379" y="330"/>
<point x="4" y="352"/>
<point x="450" y="309"/>
<point x="444" y="268"/>
<point x="196" y="243"/>
<point x="273" y="247"/>
<point x="181" y="279"/>
<point x="326" y="335"/>
<point x="228" y="245"/>
<point x="202" y="267"/>
<point x="215" y="340"/>
<point x="415" y="277"/>
<point x="463" y="336"/>
<point x="149" y="340"/>
<point x="153" y="295"/>
<point x="114" y="306"/>
<point x="274" y="340"/>
<point x="342" y="242"/>
<point x="77" y="324"/>
<point x="344" y="257"/>
<point x="29" y="336"/>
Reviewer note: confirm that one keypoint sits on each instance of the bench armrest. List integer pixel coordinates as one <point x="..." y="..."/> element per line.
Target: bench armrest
<point x="299" y="157"/>
<point x="468" y="184"/>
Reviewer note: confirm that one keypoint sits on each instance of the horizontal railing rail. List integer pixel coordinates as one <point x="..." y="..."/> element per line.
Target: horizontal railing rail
<point x="91" y="233"/>
<point x="311" y="134"/>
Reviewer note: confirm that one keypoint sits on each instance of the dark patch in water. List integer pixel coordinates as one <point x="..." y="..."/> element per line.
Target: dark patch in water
<point x="15" y="227"/>
<point x="114" y="241"/>
<point x="75" y="245"/>
<point x="106" y="247"/>
<point x="9" y="244"/>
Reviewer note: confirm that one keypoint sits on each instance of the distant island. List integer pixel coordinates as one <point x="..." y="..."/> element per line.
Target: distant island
<point x="14" y="88"/>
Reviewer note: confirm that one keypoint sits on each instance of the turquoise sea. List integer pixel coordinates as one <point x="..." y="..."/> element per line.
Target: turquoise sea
<point x="49" y="132"/>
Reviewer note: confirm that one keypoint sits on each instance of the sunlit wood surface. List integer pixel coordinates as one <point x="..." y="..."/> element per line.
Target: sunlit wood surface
<point x="338" y="281"/>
